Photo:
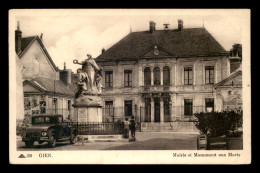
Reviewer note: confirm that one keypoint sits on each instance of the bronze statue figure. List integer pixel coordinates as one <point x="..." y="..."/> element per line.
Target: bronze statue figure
<point x="89" y="77"/>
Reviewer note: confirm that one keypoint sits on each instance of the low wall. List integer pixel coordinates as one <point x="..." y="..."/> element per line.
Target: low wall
<point x="169" y="126"/>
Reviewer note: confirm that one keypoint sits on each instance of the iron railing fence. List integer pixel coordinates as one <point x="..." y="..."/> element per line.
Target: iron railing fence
<point x="99" y="128"/>
<point x="144" y="114"/>
<point x="171" y="113"/>
<point x="114" y="114"/>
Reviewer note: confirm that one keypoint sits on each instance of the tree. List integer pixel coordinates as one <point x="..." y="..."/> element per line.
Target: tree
<point x="216" y="124"/>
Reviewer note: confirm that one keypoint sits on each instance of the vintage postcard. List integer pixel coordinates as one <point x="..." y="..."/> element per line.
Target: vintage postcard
<point x="129" y="86"/>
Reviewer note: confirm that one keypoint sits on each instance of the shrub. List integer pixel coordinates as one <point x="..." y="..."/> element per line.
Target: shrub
<point x="216" y="124"/>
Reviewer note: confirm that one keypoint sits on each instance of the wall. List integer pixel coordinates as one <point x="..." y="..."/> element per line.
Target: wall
<point x="118" y="103"/>
<point x="35" y="99"/>
<point x="230" y="96"/>
<point x="19" y="90"/>
<point x="198" y="91"/>
<point x="169" y="127"/>
<point x="36" y="63"/>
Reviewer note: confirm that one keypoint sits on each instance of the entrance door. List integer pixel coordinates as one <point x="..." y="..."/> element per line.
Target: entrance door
<point x="156" y="109"/>
<point x="147" y="117"/>
<point x="128" y="108"/>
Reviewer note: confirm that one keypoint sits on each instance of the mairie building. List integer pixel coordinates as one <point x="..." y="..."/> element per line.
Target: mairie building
<point x="163" y="75"/>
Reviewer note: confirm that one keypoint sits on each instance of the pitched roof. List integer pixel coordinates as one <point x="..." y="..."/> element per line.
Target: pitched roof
<point x="47" y="85"/>
<point x="73" y="87"/>
<point x="232" y="75"/>
<point x="190" y="41"/>
<point x="26" y="43"/>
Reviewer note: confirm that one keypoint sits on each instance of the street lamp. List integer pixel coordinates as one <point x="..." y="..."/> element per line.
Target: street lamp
<point x="135" y="110"/>
<point x="54" y="99"/>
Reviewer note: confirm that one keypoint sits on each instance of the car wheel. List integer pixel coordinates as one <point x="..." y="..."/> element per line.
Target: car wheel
<point x="52" y="141"/>
<point x="73" y="138"/>
<point x="29" y="143"/>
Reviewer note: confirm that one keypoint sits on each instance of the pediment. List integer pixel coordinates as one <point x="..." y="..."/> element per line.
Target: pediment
<point x="156" y="53"/>
<point x="235" y="80"/>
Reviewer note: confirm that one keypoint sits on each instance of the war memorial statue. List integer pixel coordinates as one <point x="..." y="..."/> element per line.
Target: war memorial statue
<point x="87" y="98"/>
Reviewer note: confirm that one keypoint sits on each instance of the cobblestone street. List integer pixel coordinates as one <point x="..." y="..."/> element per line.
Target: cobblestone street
<point x="144" y="141"/>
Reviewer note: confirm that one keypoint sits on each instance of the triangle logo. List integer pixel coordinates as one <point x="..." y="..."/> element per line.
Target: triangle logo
<point x="21" y="156"/>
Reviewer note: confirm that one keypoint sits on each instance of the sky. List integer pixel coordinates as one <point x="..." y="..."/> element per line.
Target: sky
<point x="72" y="34"/>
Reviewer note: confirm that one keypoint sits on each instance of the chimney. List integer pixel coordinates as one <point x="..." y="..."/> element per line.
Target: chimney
<point x="180" y="25"/>
<point x="103" y="50"/>
<point x="65" y="75"/>
<point x="152" y="26"/>
<point x="18" y="39"/>
<point x="235" y="58"/>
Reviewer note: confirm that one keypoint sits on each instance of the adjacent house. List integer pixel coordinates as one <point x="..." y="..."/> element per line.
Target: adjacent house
<point x="163" y="75"/>
<point x="19" y="91"/>
<point x="46" y="88"/>
<point x="229" y="91"/>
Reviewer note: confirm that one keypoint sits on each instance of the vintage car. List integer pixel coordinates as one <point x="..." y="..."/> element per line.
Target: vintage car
<point x="48" y="128"/>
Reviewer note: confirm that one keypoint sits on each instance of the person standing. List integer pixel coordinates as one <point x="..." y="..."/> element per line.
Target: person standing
<point x="132" y="128"/>
<point x="126" y="128"/>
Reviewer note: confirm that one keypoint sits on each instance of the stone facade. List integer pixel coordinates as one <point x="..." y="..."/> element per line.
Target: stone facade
<point x="229" y="92"/>
<point x="173" y="74"/>
<point x="177" y="91"/>
<point x="36" y="63"/>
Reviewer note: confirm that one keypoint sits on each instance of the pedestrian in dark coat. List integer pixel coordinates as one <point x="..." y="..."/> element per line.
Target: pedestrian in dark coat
<point x="132" y="128"/>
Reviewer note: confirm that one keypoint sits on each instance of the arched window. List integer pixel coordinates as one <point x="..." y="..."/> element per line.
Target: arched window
<point x="157" y="76"/>
<point x="166" y="76"/>
<point x="147" y="76"/>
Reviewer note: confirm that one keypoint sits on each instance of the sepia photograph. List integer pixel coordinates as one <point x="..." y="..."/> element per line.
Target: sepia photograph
<point x="129" y="86"/>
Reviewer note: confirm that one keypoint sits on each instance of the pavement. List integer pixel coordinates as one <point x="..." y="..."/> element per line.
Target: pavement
<point x="144" y="141"/>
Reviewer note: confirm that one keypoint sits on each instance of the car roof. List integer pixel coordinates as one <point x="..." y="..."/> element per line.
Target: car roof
<point x="37" y="115"/>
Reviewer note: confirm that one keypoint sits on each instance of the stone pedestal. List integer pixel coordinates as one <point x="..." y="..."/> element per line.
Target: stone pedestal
<point x="89" y="114"/>
<point x="88" y="109"/>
